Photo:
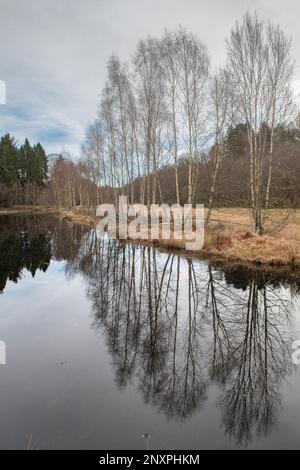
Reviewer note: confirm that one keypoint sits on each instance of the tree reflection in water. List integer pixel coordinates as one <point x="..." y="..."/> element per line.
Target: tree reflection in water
<point x="23" y="245"/>
<point x="175" y="326"/>
<point x="29" y="242"/>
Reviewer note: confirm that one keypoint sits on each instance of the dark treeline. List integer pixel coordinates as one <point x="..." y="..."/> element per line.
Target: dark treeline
<point x="23" y="170"/>
<point x="26" y="177"/>
<point x="231" y="187"/>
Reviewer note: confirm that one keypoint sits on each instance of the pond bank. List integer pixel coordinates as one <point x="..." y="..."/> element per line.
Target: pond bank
<point x="224" y="241"/>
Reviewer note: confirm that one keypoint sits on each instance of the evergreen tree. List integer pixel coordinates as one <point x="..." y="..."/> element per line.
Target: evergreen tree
<point x="8" y="160"/>
<point x="40" y="165"/>
<point x="32" y="164"/>
<point x="25" y="159"/>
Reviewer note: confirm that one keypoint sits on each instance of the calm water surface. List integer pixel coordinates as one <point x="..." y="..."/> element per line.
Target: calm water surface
<point x="107" y="341"/>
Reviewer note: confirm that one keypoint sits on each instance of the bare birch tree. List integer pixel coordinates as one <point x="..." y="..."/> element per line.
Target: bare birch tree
<point x="171" y="70"/>
<point x="222" y="113"/>
<point x="93" y="156"/>
<point x="261" y="69"/>
<point x="194" y="69"/>
<point x="247" y="65"/>
<point x="150" y="96"/>
<point x="280" y="71"/>
<point x="121" y="94"/>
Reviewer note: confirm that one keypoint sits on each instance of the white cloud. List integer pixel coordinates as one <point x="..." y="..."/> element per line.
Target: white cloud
<point x="53" y="54"/>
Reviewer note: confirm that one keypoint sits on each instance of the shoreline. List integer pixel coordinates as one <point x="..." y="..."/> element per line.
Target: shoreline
<point x="261" y="251"/>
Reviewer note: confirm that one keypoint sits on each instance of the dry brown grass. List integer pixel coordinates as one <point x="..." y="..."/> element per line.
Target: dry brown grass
<point x="229" y="235"/>
<point x="28" y="210"/>
<point x="78" y="215"/>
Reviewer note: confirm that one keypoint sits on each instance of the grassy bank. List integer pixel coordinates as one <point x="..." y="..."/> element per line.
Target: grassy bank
<point x="228" y="238"/>
<point x="230" y="235"/>
<point x="78" y="215"/>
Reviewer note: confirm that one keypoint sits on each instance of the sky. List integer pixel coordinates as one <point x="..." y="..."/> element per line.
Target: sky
<point x="53" y="54"/>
